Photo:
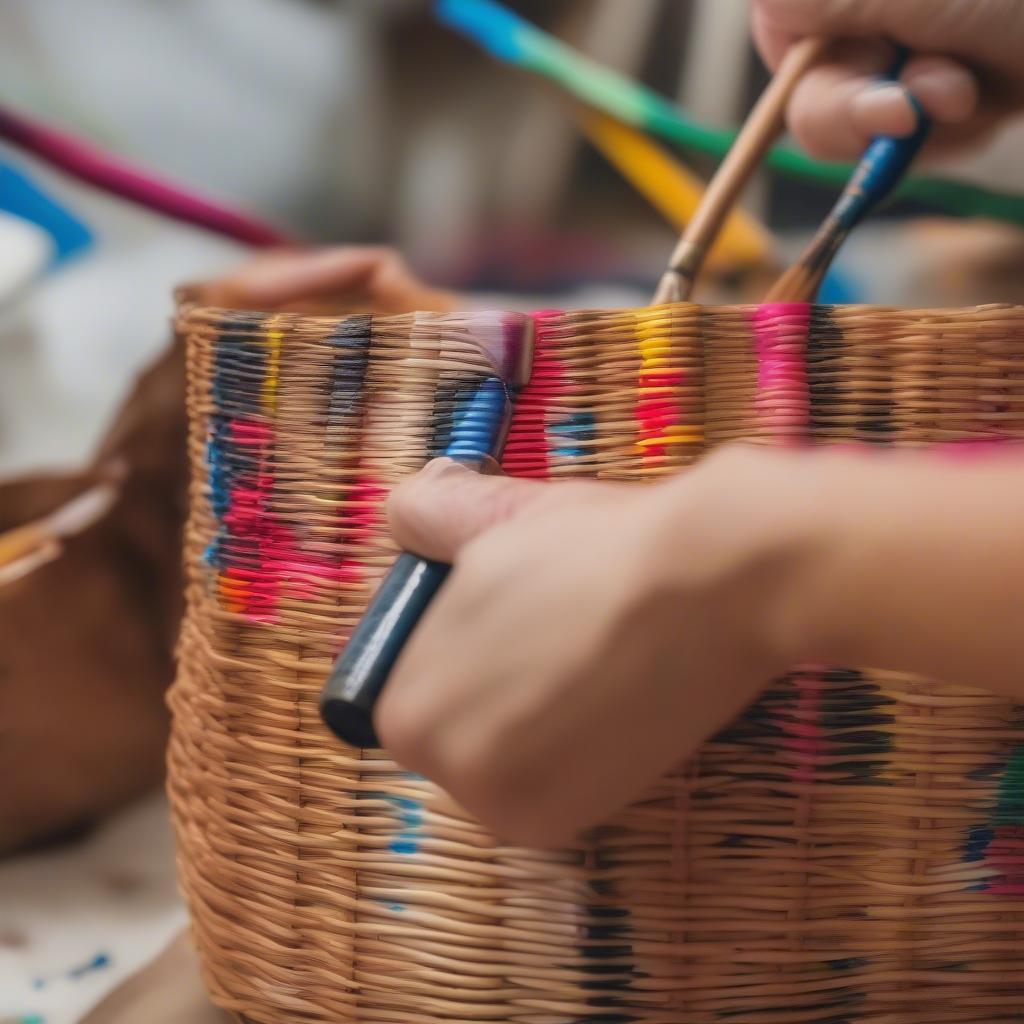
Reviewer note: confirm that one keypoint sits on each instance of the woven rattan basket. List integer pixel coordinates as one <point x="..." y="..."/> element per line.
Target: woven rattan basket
<point x="852" y="849"/>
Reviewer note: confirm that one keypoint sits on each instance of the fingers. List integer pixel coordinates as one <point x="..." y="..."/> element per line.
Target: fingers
<point x="282" y="278"/>
<point x="898" y="19"/>
<point x="948" y="91"/>
<point x="840" y="106"/>
<point x="372" y="279"/>
<point x="445" y="506"/>
<point x="771" y="39"/>
<point x="822" y="111"/>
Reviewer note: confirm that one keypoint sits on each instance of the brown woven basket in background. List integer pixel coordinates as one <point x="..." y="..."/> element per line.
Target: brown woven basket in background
<point x="852" y="849"/>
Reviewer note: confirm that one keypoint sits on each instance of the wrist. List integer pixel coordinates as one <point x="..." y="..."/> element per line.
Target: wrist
<point x="763" y="531"/>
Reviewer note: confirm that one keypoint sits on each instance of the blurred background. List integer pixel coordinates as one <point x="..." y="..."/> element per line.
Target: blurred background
<point x="345" y="121"/>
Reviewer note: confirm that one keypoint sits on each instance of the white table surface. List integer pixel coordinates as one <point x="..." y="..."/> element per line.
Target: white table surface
<point x="78" y="920"/>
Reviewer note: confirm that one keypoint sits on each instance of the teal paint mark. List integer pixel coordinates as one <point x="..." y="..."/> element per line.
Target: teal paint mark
<point x="580" y="426"/>
<point x="1010" y="795"/>
<point x="410" y="815"/>
<point x="98" y="963"/>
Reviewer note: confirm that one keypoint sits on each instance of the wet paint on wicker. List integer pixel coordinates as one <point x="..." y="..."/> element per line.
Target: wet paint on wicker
<point x="350" y="342"/>
<point x="832" y="725"/>
<point x="237" y="452"/>
<point x="492" y="933"/>
<point x="255" y="553"/>
<point x="999" y="844"/>
<point x="528" y="452"/>
<point x="780" y="343"/>
<point x="572" y="433"/>
<point x="661" y="426"/>
<point x="363" y="498"/>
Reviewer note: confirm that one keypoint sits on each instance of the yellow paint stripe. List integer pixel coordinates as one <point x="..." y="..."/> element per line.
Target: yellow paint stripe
<point x="273" y="341"/>
<point x="656" y="354"/>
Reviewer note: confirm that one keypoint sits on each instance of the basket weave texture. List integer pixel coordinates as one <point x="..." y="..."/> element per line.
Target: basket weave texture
<point x="851" y="849"/>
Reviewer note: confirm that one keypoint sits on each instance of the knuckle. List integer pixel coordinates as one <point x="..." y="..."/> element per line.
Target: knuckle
<point x="404" y="502"/>
<point x="402" y="730"/>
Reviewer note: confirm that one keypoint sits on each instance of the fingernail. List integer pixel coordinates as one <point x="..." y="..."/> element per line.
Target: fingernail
<point x="950" y="93"/>
<point x="885" y="109"/>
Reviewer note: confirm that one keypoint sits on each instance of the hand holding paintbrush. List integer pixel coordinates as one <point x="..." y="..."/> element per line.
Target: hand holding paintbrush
<point x="880" y="170"/>
<point x="884" y="163"/>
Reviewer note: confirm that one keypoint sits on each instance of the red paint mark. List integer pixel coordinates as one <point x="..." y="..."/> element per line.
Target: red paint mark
<point x="527" y="451"/>
<point x="803" y="734"/>
<point x="265" y="559"/>
<point x="657" y="409"/>
<point x="361" y="521"/>
<point x="1005" y="853"/>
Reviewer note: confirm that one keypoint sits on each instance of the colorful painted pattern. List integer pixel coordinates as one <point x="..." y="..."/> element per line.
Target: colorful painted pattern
<point x="998" y="845"/>
<point x="659" y="412"/>
<point x="819" y="860"/>
<point x="256" y="551"/>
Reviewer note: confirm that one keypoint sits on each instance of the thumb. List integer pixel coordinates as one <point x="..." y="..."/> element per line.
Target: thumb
<point x="446" y="505"/>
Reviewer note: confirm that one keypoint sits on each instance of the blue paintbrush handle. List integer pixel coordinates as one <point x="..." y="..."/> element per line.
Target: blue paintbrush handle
<point x="362" y="670"/>
<point x="360" y="674"/>
<point x="887" y="158"/>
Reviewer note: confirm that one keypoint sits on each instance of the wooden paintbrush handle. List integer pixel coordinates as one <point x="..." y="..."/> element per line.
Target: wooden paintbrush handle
<point x="761" y="129"/>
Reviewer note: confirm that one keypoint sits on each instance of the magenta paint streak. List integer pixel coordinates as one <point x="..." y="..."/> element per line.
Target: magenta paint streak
<point x="780" y="341"/>
<point x="802" y="734"/>
<point x="88" y="164"/>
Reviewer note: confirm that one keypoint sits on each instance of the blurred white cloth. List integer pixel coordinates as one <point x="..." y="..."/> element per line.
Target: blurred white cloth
<point x="253" y="101"/>
<point x="73" y="344"/>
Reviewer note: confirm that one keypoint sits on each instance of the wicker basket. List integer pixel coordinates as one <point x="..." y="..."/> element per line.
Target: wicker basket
<point x="852" y="849"/>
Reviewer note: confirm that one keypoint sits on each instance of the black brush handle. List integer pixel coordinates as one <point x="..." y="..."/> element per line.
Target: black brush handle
<point x="358" y="677"/>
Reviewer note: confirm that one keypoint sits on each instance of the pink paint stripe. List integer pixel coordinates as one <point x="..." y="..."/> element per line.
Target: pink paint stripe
<point x="780" y="342"/>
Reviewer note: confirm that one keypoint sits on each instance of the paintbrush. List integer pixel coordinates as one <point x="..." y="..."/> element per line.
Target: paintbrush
<point x="880" y="170"/>
<point x="26" y="548"/>
<point x="515" y="41"/>
<point x="762" y="127"/>
<point x="479" y="430"/>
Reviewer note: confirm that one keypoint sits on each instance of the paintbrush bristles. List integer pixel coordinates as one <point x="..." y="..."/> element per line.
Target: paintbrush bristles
<point x="761" y="129"/>
<point x="799" y="283"/>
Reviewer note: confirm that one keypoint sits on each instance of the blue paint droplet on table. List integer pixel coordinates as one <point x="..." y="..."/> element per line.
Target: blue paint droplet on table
<point x="97" y="963"/>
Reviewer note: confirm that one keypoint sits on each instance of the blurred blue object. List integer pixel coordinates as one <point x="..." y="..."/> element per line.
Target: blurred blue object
<point x="491" y="24"/>
<point x="21" y="197"/>
<point x="839" y="289"/>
